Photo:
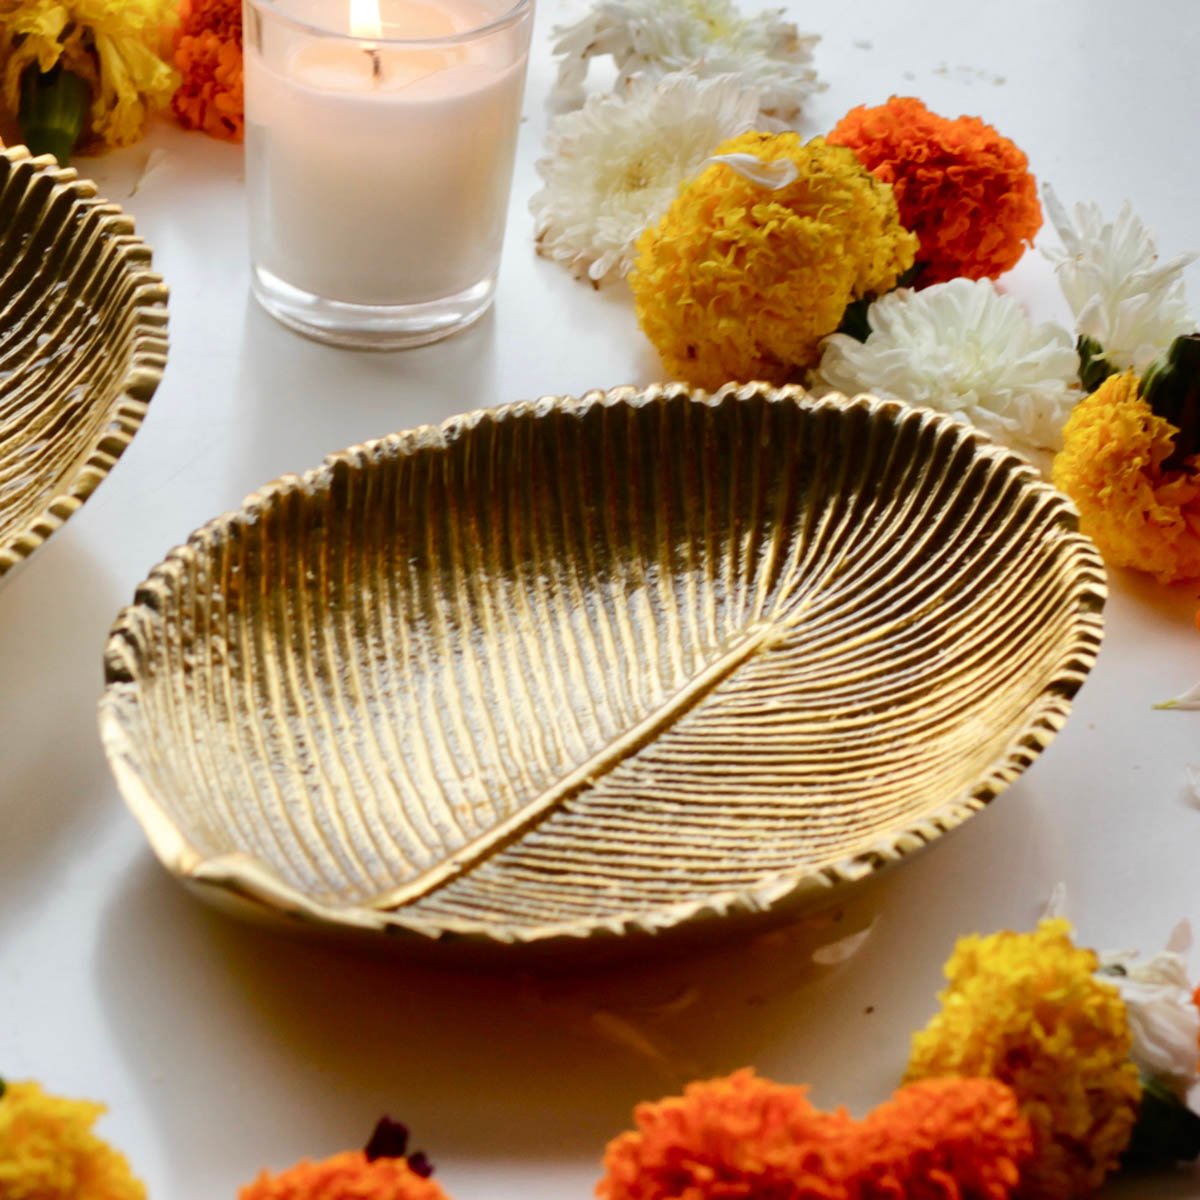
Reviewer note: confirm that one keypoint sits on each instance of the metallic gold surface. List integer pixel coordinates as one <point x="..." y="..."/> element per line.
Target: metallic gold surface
<point x="83" y="345"/>
<point x="599" y="665"/>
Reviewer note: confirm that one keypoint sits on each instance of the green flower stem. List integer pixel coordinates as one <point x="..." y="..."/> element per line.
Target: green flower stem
<point x="53" y="112"/>
<point x="1094" y="368"/>
<point x="855" y="321"/>
<point x="1171" y="386"/>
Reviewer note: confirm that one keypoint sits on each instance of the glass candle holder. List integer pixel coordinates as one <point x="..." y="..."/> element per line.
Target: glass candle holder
<point x="380" y="137"/>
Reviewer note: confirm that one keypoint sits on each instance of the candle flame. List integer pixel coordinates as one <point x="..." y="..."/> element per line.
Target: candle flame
<point x="365" y="21"/>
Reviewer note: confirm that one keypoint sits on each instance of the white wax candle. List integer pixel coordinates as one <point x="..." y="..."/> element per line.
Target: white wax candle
<point x="379" y="174"/>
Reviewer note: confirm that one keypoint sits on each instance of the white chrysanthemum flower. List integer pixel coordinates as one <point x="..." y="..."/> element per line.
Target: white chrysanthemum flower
<point x="1123" y="298"/>
<point x="967" y="350"/>
<point x="614" y="166"/>
<point x="653" y="38"/>
<point x="1164" y="1021"/>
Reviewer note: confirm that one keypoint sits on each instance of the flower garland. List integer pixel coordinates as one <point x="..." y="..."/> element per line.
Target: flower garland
<point x="776" y="260"/>
<point x="748" y="272"/>
<point x="773" y="262"/>
<point x="1046" y="1069"/>
<point x="773" y="258"/>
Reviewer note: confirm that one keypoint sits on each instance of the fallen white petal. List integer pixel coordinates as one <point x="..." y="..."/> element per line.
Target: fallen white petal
<point x="1193" y="774"/>
<point x="1189" y="700"/>
<point x="1056" y="903"/>
<point x="776" y="174"/>
<point x="1180" y="939"/>
<point x="844" y="949"/>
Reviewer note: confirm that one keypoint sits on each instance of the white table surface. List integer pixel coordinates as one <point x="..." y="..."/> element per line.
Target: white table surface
<point x="221" y="1049"/>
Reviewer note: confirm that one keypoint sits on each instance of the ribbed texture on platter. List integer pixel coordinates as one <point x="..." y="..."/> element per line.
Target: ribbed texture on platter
<point x="83" y="345"/>
<point x="600" y="664"/>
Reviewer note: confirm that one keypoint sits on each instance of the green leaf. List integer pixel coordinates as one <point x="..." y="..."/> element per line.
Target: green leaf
<point x="855" y="321"/>
<point x="1171" y="386"/>
<point x="1094" y="368"/>
<point x="1167" y="1131"/>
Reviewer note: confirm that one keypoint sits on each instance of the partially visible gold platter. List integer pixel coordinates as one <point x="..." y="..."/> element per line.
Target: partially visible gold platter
<point x="599" y="666"/>
<point x="83" y="344"/>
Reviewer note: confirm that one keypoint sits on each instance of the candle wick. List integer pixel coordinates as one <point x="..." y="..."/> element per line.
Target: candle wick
<point x="376" y="63"/>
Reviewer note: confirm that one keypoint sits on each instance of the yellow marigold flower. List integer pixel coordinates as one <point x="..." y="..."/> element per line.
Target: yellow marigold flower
<point x="741" y="281"/>
<point x="1111" y="464"/>
<point x="112" y="44"/>
<point x="48" y="1151"/>
<point x="1027" y="1009"/>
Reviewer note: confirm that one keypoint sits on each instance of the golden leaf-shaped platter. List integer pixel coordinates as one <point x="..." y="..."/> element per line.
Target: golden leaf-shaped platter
<point x="600" y="665"/>
<point x="83" y="344"/>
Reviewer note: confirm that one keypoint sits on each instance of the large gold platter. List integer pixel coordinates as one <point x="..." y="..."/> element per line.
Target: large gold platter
<point x="83" y="344"/>
<point x="599" y="665"/>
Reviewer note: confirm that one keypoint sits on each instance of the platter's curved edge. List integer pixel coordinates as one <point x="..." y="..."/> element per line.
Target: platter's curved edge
<point x="145" y="296"/>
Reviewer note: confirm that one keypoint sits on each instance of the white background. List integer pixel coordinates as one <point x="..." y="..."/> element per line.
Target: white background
<point x="221" y="1049"/>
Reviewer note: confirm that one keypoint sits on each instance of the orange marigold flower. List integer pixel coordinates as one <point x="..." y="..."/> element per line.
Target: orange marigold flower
<point x="746" y="1138"/>
<point x="964" y="190"/>
<point x="347" y="1176"/>
<point x="223" y="17"/>
<point x="209" y="58"/>
<point x="728" y="1139"/>
<point x="944" y="1139"/>
<point x="1111" y="465"/>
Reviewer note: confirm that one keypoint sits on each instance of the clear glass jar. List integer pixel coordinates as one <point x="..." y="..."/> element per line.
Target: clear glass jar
<point x="379" y="156"/>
